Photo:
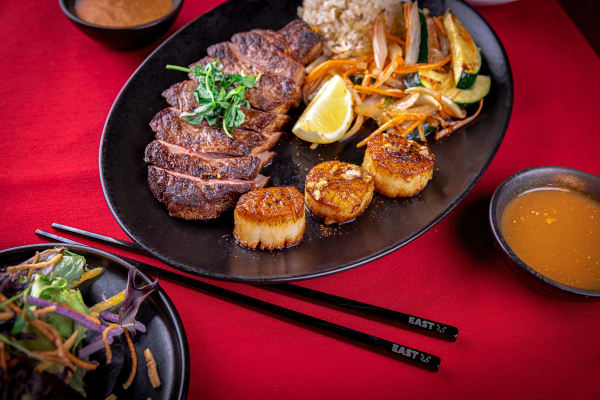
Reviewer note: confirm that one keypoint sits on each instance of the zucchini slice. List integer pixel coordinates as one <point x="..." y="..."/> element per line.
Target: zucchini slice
<point x="439" y="81"/>
<point x="423" y="45"/>
<point x="444" y="82"/>
<point x="466" y="59"/>
<point x="478" y="91"/>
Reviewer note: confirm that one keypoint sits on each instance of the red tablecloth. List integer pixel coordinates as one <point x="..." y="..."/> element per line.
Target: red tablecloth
<point x="56" y="88"/>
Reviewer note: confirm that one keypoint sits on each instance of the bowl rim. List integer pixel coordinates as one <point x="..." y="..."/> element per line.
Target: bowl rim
<point x="74" y="18"/>
<point x="499" y="236"/>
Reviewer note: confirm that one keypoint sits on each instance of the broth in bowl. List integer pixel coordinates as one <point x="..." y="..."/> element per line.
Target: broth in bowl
<point x="557" y="233"/>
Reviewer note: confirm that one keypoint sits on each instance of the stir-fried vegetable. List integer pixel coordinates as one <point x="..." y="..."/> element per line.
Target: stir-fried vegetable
<point x="44" y="322"/>
<point x="414" y="85"/>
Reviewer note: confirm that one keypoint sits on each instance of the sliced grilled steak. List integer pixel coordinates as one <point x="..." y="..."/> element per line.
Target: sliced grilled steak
<point x="305" y="44"/>
<point x="206" y="139"/>
<point x="274" y="93"/>
<point x="188" y="197"/>
<point x="204" y="165"/>
<point x="255" y="48"/>
<point x="181" y="96"/>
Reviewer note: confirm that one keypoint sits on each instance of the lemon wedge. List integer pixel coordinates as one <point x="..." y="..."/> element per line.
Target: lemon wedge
<point x="329" y="114"/>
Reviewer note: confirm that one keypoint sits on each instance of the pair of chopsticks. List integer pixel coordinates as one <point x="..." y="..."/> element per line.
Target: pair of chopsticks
<point x="404" y="353"/>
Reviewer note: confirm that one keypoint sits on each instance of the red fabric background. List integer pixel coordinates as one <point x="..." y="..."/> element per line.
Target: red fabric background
<point x="56" y="88"/>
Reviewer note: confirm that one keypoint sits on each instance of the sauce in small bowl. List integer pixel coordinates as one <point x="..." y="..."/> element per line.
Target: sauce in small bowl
<point x="121" y="12"/>
<point x="122" y="24"/>
<point x="547" y="222"/>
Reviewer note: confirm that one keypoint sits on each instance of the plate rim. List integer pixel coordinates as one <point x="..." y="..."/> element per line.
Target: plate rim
<point x="183" y="386"/>
<point x="359" y="262"/>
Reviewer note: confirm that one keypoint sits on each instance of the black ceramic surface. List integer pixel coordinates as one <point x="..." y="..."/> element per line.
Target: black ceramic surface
<point x="165" y="335"/>
<point x="208" y="248"/>
<point x="531" y="179"/>
<point x="122" y="38"/>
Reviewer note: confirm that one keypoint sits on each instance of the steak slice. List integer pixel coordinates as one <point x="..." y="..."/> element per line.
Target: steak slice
<point x="274" y="93"/>
<point x="256" y="49"/>
<point x="181" y="96"/>
<point x="204" y="165"/>
<point x="188" y="197"/>
<point x="305" y="44"/>
<point x="206" y="139"/>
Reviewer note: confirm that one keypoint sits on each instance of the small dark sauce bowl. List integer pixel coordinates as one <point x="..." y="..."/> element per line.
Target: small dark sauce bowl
<point x="122" y="38"/>
<point x="522" y="181"/>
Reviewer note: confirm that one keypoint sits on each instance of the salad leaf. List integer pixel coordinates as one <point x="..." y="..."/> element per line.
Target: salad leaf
<point x="70" y="266"/>
<point x="134" y="296"/>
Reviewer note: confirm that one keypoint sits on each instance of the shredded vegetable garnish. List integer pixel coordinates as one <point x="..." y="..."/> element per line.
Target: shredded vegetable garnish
<point x="87" y="275"/>
<point x="152" y="371"/>
<point x="133" y="371"/>
<point x="23" y="267"/>
<point x="108" y="303"/>
<point x="105" y="340"/>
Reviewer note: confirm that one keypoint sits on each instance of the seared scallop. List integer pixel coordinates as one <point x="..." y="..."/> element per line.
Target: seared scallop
<point x="337" y="191"/>
<point x="271" y="218"/>
<point x="401" y="167"/>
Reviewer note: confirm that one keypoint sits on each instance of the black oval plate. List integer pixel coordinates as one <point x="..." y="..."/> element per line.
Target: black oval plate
<point x="165" y="335"/>
<point x="208" y="248"/>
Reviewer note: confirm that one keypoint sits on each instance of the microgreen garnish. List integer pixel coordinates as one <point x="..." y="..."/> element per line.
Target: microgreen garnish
<point x="220" y="96"/>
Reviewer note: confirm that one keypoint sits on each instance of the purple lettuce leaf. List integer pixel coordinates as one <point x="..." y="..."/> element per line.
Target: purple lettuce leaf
<point x="134" y="296"/>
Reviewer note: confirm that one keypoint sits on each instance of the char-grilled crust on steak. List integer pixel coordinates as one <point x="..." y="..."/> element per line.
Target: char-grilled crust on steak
<point x="181" y="96"/>
<point x="204" y="165"/>
<point x="274" y="93"/>
<point x="255" y="48"/>
<point x="169" y="128"/>
<point x="305" y="44"/>
<point x="198" y="171"/>
<point x="194" y="198"/>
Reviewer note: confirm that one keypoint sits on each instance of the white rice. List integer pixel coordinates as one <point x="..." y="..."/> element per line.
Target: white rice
<point x="346" y="24"/>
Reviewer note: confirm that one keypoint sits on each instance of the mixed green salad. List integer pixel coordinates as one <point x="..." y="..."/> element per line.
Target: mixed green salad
<point x="50" y="338"/>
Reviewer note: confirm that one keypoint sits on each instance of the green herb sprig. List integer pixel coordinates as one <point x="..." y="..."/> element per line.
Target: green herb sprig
<point x="220" y="96"/>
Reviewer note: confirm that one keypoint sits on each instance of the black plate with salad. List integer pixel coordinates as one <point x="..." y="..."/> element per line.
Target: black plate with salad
<point x="66" y="311"/>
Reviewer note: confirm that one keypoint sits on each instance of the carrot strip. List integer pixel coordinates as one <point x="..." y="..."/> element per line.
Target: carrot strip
<point x="438" y="23"/>
<point x="424" y="66"/>
<point x="322" y="68"/>
<point x="3" y="359"/>
<point x="393" y="121"/>
<point x="105" y="340"/>
<point x="44" y="310"/>
<point x="35" y="266"/>
<point x="5" y="316"/>
<point x="69" y="343"/>
<point x="35" y="259"/>
<point x="455" y="126"/>
<point x="54" y="337"/>
<point x="411" y="127"/>
<point x="152" y="372"/>
<point x="394" y="38"/>
<point x="80" y="363"/>
<point x="131" y="377"/>
<point x="390" y="93"/>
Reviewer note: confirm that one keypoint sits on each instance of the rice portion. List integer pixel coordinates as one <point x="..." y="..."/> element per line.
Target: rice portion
<point x="346" y="24"/>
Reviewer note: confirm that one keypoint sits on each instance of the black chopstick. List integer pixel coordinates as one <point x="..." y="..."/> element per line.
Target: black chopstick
<point x="419" y="324"/>
<point x="416" y="323"/>
<point x="403" y="353"/>
<point x="99" y="237"/>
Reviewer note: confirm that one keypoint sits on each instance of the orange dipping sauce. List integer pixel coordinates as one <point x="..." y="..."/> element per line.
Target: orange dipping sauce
<point x="557" y="233"/>
<point x="122" y="13"/>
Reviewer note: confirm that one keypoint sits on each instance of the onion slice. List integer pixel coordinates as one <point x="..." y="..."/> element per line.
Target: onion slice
<point x="451" y="107"/>
<point x="413" y="32"/>
<point x="380" y="49"/>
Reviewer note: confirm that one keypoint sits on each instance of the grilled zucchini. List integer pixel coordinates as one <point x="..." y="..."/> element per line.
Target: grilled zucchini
<point x="466" y="59"/>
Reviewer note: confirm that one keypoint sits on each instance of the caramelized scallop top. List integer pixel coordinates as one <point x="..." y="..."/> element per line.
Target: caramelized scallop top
<point x="338" y="183"/>
<point x="279" y="204"/>
<point x="399" y="155"/>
